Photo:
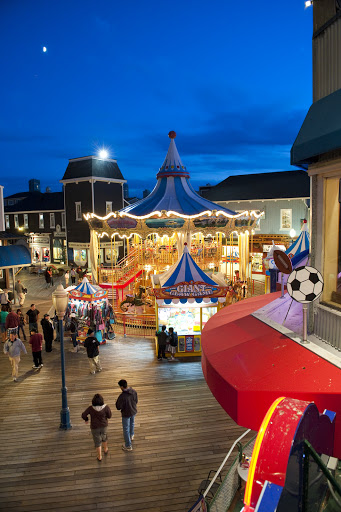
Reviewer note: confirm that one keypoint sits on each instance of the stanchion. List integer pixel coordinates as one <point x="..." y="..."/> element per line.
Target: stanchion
<point x="305" y="323"/>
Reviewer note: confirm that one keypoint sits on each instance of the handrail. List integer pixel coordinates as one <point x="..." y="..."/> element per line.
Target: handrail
<point x="224" y="462"/>
<point x="308" y="447"/>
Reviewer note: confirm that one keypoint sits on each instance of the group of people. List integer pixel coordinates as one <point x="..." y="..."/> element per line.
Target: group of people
<point x="167" y="341"/>
<point x="100" y="413"/>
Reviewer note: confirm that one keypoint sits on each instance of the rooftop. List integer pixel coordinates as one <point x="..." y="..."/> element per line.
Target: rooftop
<point x="92" y="166"/>
<point x="48" y="201"/>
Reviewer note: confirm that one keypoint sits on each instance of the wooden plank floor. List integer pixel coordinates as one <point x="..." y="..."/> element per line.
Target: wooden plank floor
<point x="181" y="432"/>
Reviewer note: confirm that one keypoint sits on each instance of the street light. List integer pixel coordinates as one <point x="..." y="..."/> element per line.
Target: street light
<point x="60" y="299"/>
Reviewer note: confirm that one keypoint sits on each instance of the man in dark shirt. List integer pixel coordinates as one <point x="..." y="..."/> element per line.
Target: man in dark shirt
<point x="162" y="338"/>
<point x="91" y="344"/>
<point x="126" y="403"/>
<point x="32" y="315"/>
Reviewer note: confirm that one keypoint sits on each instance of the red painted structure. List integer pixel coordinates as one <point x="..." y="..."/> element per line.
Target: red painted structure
<point x="247" y="365"/>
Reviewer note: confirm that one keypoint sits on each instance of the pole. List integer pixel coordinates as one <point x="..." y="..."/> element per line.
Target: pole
<point x="282" y="285"/>
<point x="305" y="323"/>
<point x="65" y="422"/>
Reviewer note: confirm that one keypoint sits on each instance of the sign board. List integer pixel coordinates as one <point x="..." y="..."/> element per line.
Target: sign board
<point x="190" y="289"/>
<point x="189" y="343"/>
<point x="39" y="240"/>
<point x="107" y="245"/>
<point x="76" y="245"/>
<point x="283" y="262"/>
<point x="305" y="284"/>
<point x="59" y="234"/>
<point x="267" y="248"/>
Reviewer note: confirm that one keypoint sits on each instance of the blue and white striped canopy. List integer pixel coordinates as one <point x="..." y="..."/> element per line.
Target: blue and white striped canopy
<point x="184" y="271"/>
<point x="173" y="192"/>
<point x="86" y="287"/>
<point x="300" y="248"/>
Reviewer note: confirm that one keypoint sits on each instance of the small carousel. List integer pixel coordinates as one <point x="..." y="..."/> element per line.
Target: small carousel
<point x="155" y="229"/>
<point x="186" y="298"/>
<point x="91" y="307"/>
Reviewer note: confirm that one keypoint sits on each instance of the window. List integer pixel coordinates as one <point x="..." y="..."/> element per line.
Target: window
<point x="52" y="221"/>
<point x="10" y="202"/>
<point x="25" y="220"/>
<point x="16" y="221"/>
<point x="41" y="220"/>
<point x="286" y="219"/>
<point x="7" y="221"/>
<point x="108" y="207"/>
<point x="78" y="210"/>
<point x="63" y="219"/>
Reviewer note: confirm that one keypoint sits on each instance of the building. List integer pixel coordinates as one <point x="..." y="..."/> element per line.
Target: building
<point x="318" y="148"/>
<point x="284" y="197"/>
<point x="53" y="222"/>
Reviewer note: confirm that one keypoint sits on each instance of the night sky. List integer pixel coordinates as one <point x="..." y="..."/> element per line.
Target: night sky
<point x="233" y="79"/>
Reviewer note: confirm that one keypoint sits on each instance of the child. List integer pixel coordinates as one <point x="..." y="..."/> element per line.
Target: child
<point x="22" y="322"/>
<point x="99" y="413"/>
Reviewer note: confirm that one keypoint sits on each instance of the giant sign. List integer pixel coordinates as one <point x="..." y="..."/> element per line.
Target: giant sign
<point x="195" y="289"/>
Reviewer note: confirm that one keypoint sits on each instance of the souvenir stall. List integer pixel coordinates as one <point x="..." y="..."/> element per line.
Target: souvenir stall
<point x="90" y="305"/>
<point x="186" y="298"/>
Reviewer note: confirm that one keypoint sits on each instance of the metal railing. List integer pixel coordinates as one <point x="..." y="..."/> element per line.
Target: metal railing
<point x="130" y="325"/>
<point x="327" y="325"/>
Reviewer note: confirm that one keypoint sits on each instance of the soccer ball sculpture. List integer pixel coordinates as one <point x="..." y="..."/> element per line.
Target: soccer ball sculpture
<point x="305" y="284"/>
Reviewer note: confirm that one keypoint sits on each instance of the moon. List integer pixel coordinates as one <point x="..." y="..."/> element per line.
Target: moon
<point x="44" y="49"/>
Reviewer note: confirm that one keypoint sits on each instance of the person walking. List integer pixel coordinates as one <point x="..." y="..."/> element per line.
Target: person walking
<point x="33" y="316"/>
<point x="162" y="340"/>
<point x="3" y="316"/>
<point x="66" y="277"/>
<point x="22" y="323"/>
<point x="74" y="332"/>
<point x="91" y="344"/>
<point x="20" y="291"/>
<point x="47" y="332"/>
<point x="48" y="278"/>
<point x="12" y="320"/>
<point x="73" y="276"/>
<point x="173" y="343"/>
<point x="99" y="414"/>
<point x="12" y="348"/>
<point x="36" y="342"/>
<point x="126" y="403"/>
<point x="4" y="300"/>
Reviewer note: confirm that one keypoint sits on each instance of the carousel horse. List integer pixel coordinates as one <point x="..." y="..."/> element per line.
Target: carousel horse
<point x="139" y="299"/>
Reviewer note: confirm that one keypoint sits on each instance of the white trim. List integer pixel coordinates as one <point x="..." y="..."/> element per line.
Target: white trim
<point x="91" y="157"/>
<point x="91" y="179"/>
<point x="92" y="196"/>
<point x="33" y="211"/>
<point x="262" y="200"/>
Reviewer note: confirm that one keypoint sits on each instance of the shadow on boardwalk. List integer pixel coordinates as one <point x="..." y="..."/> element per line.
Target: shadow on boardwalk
<point x="181" y="431"/>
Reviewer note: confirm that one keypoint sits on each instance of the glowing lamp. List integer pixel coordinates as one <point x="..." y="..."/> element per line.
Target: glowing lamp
<point x="60" y="298"/>
<point x="292" y="233"/>
<point x="103" y="154"/>
<point x="308" y="3"/>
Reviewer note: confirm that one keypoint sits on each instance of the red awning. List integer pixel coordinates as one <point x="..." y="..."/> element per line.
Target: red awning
<point x="247" y="365"/>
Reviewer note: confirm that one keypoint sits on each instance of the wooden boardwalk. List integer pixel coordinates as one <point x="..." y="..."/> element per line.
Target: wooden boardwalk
<point x="181" y="432"/>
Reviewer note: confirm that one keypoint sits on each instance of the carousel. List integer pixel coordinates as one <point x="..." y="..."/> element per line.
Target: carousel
<point x="155" y="229"/>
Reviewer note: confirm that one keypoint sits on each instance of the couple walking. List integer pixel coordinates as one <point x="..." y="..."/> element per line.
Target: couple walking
<point x="165" y="338"/>
<point x="99" y="414"/>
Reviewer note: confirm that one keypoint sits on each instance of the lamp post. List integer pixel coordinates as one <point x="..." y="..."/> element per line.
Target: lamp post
<point x="60" y="301"/>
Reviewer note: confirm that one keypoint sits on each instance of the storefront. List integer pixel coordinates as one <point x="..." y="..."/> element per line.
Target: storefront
<point x="80" y="254"/>
<point x="186" y="298"/>
<point x="40" y="247"/>
<point x="59" y="246"/>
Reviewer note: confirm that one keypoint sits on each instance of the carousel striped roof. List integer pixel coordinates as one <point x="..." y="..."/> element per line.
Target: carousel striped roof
<point x="185" y="271"/>
<point x="173" y="191"/>
<point x="300" y="248"/>
<point x="86" y="287"/>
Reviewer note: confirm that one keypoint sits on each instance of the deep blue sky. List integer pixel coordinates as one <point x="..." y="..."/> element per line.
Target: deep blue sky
<point x="233" y="79"/>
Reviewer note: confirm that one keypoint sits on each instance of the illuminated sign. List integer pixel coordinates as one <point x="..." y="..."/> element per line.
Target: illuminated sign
<point x="191" y="289"/>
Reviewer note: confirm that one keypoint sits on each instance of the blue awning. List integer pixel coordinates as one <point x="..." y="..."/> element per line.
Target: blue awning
<point x="320" y="132"/>
<point x="14" y="256"/>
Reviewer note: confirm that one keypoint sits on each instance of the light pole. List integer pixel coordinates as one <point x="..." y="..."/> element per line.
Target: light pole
<point x="60" y="299"/>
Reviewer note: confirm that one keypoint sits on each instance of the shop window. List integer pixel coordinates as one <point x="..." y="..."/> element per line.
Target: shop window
<point x="16" y="221"/>
<point x="63" y="219"/>
<point x="80" y="255"/>
<point x="7" y="221"/>
<point x="26" y="220"/>
<point x="286" y="219"/>
<point x="52" y="221"/>
<point x="41" y="220"/>
<point x="78" y="206"/>
<point x="332" y="242"/>
<point x="108" y="207"/>
<point x="10" y="202"/>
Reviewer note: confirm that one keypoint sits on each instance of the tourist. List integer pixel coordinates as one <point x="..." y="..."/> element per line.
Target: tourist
<point x="48" y="277"/>
<point x="47" y="332"/>
<point x="173" y="343"/>
<point x="73" y="276"/>
<point x="74" y="332"/>
<point x="33" y="316"/>
<point x="12" y="320"/>
<point x="162" y="340"/>
<point x="91" y="344"/>
<point x="12" y="348"/>
<point x="3" y="316"/>
<point x="22" y="322"/>
<point x="36" y="342"/>
<point x="99" y="414"/>
<point x="21" y="290"/>
<point x="126" y="403"/>
<point x="4" y="300"/>
<point x="67" y="277"/>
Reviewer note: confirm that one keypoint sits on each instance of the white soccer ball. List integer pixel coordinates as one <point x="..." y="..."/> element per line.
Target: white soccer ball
<point x="305" y="284"/>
